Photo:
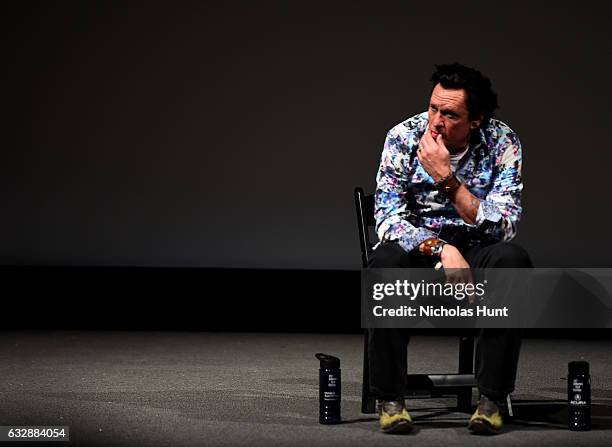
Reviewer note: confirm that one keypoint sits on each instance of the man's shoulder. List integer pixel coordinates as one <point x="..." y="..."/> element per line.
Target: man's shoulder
<point x="412" y="126"/>
<point x="497" y="133"/>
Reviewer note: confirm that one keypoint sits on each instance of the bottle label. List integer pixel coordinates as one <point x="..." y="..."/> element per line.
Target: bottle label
<point x="577" y="400"/>
<point x="578" y="393"/>
<point x="331" y="381"/>
<point x="577" y="384"/>
<point x="330" y="387"/>
<point x="330" y="395"/>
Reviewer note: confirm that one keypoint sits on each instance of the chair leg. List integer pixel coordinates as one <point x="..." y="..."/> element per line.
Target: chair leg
<point x="466" y="354"/>
<point x="466" y="366"/>
<point x="509" y="410"/>
<point x="368" y="402"/>
<point x="464" y="401"/>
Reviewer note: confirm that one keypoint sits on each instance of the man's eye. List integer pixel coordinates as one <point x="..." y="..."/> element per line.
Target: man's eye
<point x="433" y="109"/>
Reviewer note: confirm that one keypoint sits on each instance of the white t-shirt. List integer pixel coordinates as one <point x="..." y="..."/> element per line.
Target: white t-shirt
<point x="456" y="158"/>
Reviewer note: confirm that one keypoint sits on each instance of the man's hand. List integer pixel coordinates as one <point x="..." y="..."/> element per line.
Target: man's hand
<point x="456" y="268"/>
<point x="434" y="156"/>
<point x="452" y="258"/>
<point x="435" y="159"/>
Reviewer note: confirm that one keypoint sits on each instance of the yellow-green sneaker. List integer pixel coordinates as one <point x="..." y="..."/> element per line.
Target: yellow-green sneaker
<point x="487" y="419"/>
<point x="394" y="417"/>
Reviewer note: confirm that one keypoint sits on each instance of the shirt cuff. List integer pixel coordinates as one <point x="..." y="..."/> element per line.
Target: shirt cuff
<point x="413" y="238"/>
<point x="487" y="211"/>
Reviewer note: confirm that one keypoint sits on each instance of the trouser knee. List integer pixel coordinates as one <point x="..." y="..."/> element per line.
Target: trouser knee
<point x="510" y="255"/>
<point x="387" y="255"/>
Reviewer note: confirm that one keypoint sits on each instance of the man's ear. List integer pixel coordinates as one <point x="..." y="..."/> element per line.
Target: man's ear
<point x="475" y="123"/>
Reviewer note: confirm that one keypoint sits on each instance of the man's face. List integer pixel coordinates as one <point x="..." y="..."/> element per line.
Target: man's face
<point x="449" y="117"/>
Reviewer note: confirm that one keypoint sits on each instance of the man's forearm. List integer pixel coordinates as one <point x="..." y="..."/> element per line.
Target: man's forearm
<point x="462" y="199"/>
<point x="466" y="204"/>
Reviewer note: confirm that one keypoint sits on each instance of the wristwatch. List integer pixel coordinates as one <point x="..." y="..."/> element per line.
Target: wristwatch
<point x="436" y="250"/>
<point x="433" y="247"/>
<point x="449" y="185"/>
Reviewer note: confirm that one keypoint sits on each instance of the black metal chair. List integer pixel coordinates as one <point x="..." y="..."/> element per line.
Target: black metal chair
<point x="419" y="385"/>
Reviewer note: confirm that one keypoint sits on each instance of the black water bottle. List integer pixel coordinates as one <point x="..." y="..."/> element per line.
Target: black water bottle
<point x="579" y="396"/>
<point x="329" y="389"/>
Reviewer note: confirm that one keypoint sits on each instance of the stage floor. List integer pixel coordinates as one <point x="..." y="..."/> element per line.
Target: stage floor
<point x="252" y="389"/>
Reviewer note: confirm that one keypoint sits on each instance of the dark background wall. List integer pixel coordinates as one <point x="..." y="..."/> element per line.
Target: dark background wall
<point x="231" y="134"/>
<point x="223" y="140"/>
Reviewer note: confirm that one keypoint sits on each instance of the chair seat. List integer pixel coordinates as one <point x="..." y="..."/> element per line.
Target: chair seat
<point x="423" y="385"/>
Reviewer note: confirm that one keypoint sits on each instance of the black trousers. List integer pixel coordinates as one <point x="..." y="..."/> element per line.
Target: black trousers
<point x="497" y="350"/>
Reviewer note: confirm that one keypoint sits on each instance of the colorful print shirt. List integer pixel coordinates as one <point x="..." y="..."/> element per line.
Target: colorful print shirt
<point x="409" y="208"/>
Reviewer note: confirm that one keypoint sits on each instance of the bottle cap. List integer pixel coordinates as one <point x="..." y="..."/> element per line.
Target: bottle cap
<point x="328" y="361"/>
<point x="578" y="367"/>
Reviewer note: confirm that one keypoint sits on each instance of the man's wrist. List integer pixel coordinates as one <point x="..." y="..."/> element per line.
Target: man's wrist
<point x="432" y="247"/>
<point x="442" y="178"/>
<point x="449" y="185"/>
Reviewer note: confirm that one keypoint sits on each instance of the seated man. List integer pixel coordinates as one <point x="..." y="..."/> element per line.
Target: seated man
<point x="449" y="191"/>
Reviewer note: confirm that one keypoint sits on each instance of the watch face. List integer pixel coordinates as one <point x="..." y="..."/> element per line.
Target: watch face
<point x="437" y="250"/>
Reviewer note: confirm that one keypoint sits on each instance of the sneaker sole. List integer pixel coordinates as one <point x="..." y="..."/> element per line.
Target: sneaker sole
<point x="482" y="427"/>
<point x="401" y="426"/>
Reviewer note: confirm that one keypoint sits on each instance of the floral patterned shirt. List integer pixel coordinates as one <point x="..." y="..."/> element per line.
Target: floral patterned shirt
<point x="409" y="208"/>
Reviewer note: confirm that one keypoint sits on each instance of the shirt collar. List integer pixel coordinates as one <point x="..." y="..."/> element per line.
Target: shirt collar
<point x="478" y="141"/>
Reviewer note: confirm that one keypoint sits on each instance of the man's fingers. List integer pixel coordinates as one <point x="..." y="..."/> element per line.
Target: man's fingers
<point x="461" y="276"/>
<point x="423" y="146"/>
<point x="426" y="143"/>
<point x="428" y="137"/>
<point x="421" y="155"/>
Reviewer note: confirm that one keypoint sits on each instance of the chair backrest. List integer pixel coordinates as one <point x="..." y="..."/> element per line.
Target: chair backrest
<point x="364" y="207"/>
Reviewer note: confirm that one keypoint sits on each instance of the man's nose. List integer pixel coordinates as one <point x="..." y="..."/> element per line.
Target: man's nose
<point x="437" y="120"/>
